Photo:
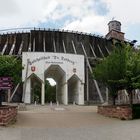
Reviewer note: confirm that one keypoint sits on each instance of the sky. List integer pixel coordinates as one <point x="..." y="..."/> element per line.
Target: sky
<point x="51" y="81"/>
<point x="91" y="16"/>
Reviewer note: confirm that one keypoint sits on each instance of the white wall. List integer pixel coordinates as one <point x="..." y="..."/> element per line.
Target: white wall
<point x="42" y="61"/>
<point x="27" y="96"/>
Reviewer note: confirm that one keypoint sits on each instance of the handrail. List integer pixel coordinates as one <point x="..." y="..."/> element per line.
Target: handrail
<point x="28" y="29"/>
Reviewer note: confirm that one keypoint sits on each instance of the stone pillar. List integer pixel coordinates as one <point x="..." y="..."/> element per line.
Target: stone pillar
<point x="9" y="94"/>
<point x="106" y="92"/>
<point x="43" y="94"/>
<point x="27" y="97"/>
<point x="87" y="85"/>
<point x="57" y="93"/>
<point x="65" y="93"/>
<point x="81" y="93"/>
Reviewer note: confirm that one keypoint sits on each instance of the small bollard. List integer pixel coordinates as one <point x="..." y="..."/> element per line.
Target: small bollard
<point x="73" y="102"/>
<point x="50" y="103"/>
<point x="57" y="103"/>
<point x="35" y="103"/>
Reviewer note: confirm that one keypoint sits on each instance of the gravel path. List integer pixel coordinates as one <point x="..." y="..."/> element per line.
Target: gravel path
<point x="68" y="123"/>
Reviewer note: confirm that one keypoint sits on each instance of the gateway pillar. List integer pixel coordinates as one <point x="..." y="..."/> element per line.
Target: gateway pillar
<point x="27" y="96"/>
<point x="65" y="94"/>
<point x="42" y="93"/>
<point x="81" y="93"/>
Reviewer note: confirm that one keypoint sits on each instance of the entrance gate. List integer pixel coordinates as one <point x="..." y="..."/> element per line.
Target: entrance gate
<point x="57" y="73"/>
<point x="66" y="69"/>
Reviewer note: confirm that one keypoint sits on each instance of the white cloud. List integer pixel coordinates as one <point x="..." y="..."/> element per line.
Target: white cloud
<point x="32" y="12"/>
<point x="83" y="14"/>
<point x="48" y="9"/>
<point x="85" y="18"/>
<point x="126" y="11"/>
<point x="28" y="13"/>
<point x="89" y="24"/>
<point x="8" y="7"/>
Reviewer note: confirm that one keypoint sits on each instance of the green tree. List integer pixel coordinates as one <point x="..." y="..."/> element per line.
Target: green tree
<point x="120" y="70"/>
<point x="132" y="76"/>
<point x="131" y="79"/>
<point x="50" y="92"/>
<point x="37" y="93"/>
<point x="12" y="67"/>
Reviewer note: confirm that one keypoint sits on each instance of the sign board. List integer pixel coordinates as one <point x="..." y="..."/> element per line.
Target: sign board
<point x="5" y="82"/>
<point x="40" y="62"/>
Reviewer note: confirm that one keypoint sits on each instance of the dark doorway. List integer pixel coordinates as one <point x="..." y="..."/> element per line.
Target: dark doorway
<point x="50" y="91"/>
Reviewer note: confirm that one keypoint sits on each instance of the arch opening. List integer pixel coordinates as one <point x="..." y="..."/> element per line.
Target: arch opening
<point x="73" y="89"/>
<point x="50" y="90"/>
<point x="57" y="73"/>
<point x="35" y="89"/>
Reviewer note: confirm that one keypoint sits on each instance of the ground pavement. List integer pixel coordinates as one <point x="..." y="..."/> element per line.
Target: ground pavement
<point x="68" y="123"/>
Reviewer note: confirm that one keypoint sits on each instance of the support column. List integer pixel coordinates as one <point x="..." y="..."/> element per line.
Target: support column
<point x="27" y="97"/>
<point x="81" y="93"/>
<point x="87" y="85"/>
<point x="106" y="92"/>
<point x="43" y="94"/>
<point x="9" y="93"/>
<point x="65" y="94"/>
<point x="57" y="93"/>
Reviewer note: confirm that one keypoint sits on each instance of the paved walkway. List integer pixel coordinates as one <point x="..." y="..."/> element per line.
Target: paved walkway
<point x="68" y="123"/>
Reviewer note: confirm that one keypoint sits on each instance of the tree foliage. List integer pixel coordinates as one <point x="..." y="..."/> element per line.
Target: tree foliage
<point x="12" y="67"/>
<point x="120" y="70"/>
<point x="37" y="93"/>
<point x="50" y="92"/>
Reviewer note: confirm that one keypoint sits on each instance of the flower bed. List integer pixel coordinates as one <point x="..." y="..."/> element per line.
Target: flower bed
<point x="8" y="114"/>
<point x="121" y="112"/>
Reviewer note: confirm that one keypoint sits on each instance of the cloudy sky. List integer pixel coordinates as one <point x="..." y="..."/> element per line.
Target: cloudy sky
<point x="89" y="16"/>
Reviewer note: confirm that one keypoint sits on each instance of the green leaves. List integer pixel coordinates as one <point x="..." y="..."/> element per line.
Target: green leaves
<point x="113" y="67"/>
<point x="121" y="69"/>
<point x="10" y="66"/>
<point x="50" y="92"/>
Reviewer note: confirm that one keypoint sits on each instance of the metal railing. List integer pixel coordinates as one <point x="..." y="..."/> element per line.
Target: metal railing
<point x="28" y="29"/>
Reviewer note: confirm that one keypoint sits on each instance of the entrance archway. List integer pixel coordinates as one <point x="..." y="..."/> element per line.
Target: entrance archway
<point x="73" y="89"/>
<point x="35" y="89"/>
<point x="58" y="74"/>
<point x="50" y="90"/>
<point x="65" y="69"/>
